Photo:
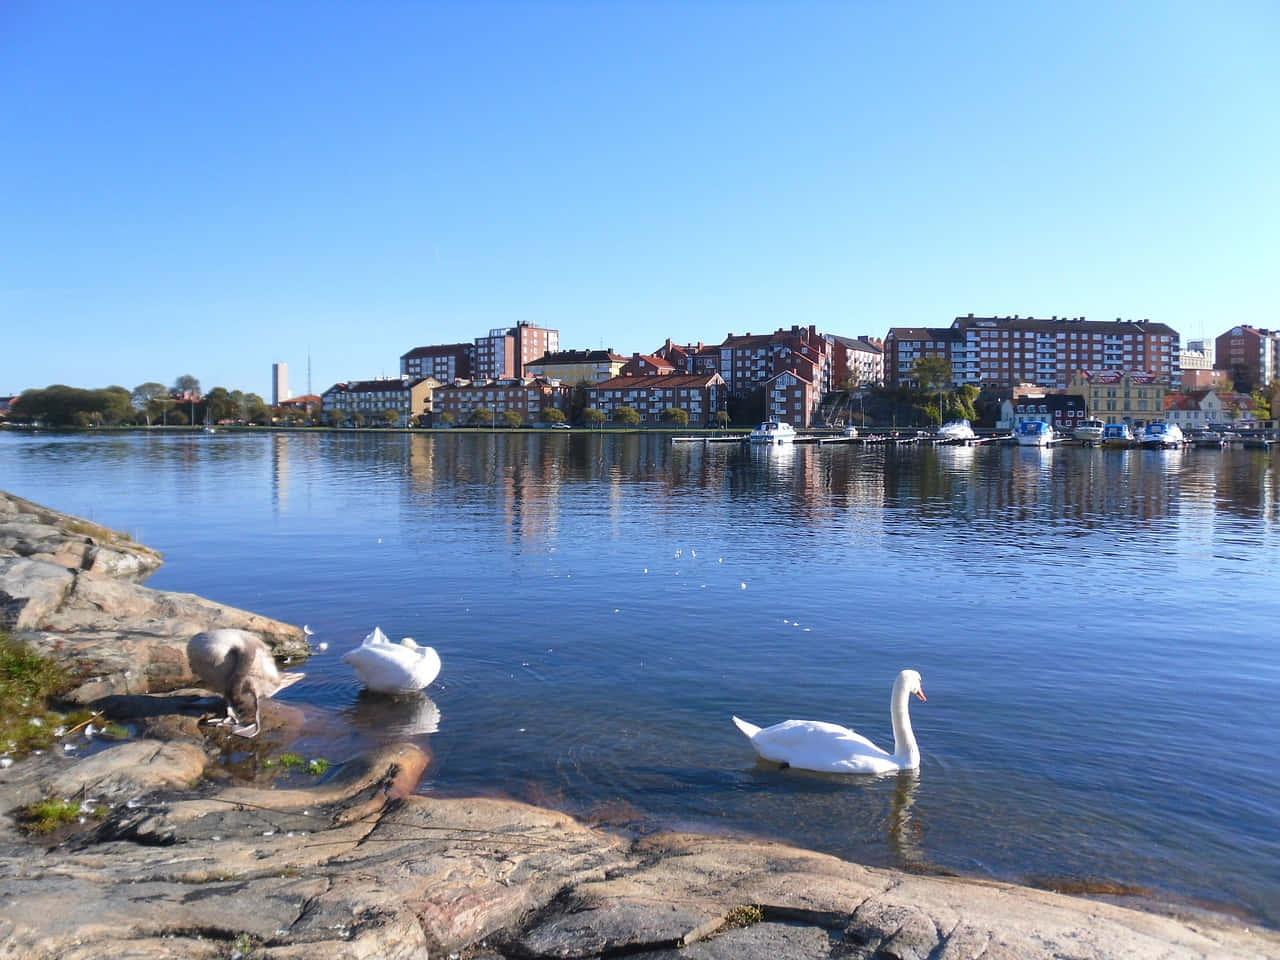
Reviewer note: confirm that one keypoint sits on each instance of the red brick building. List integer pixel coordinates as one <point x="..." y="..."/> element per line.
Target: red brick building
<point x="701" y="395"/>
<point x="527" y="396"/>
<point x="1005" y="350"/>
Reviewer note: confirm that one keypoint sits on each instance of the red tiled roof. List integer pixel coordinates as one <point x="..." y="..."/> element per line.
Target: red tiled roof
<point x="661" y="380"/>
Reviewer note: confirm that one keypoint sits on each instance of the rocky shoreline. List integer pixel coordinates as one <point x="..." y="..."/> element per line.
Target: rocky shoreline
<point x="174" y="860"/>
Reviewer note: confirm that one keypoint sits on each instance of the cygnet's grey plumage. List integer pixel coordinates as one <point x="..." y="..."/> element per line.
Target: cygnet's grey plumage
<point x="238" y="666"/>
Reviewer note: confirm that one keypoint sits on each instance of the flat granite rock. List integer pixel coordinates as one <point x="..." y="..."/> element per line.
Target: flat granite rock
<point x="30" y="530"/>
<point x="67" y="588"/>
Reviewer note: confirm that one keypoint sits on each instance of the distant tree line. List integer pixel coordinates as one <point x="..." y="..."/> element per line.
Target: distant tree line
<point x="148" y="404"/>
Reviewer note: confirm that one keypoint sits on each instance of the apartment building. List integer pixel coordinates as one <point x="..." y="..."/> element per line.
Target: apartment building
<point x="643" y="365"/>
<point x="528" y="396"/>
<point x="494" y="356"/>
<point x="505" y="351"/>
<point x="1251" y="356"/>
<point x="791" y="397"/>
<point x="576" y="366"/>
<point x="748" y="360"/>
<point x="407" y="397"/>
<point x="445" y="362"/>
<point x="856" y="361"/>
<point x="690" y="357"/>
<point x="1116" y="396"/>
<point x="1007" y="350"/>
<point x="700" y="395"/>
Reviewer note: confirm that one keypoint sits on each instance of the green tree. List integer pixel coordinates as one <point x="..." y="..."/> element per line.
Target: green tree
<point x="552" y="415"/>
<point x="150" y="399"/>
<point x="481" y="417"/>
<point x="255" y="409"/>
<point x="722" y="418"/>
<point x="592" y="417"/>
<point x="579" y="400"/>
<point x="447" y="419"/>
<point x="116" y="405"/>
<point x="218" y="405"/>
<point x="1261" y="405"/>
<point x="186" y="384"/>
<point x="62" y="406"/>
<point x="356" y="418"/>
<point x="391" y="417"/>
<point x="334" y="417"/>
<point x="511" y="419"/>
<point x="931" y="373"/>
<point x="675" y="416"/>
<point x="626" y="417"/>
<point x="239" y="405"/>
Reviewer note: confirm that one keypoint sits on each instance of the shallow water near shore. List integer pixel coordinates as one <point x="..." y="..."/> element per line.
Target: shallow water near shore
<point x="1095" y="629"/>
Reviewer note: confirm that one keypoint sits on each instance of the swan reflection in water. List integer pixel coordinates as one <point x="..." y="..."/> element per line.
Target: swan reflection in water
<point x="906" y="837"/>
<point x="381" y="716"/>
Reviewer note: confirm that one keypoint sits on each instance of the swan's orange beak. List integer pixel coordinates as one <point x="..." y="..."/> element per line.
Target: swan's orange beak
<point x="920" y="694"/>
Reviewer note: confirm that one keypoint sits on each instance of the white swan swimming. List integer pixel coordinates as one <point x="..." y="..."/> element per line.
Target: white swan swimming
<point x="386" y="667"/>
<point x="238" y="666"/>
<point x="831" y="748"/>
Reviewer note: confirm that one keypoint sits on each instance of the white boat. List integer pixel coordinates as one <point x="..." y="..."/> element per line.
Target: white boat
<point x="956" y="431"/>
<point x="1034" y="433"/>
<point x="1160" y="435"/>
<point x="851" y="432"/>
<point x="773" y="431"/>
<point x="1089" y="432"/>
<point x="1117" y="435"/>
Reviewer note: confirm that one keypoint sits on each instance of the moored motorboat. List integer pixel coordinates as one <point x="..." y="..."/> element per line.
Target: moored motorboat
<point x="1089" y="432"/>
<point x="1159" y="435"/>
<point x="956" y="431"/>
<point x="1207" y="439"/>
<point x="1034" y="433"/>
<point x="773" y="431"/>
<point x="1117" y="435"/>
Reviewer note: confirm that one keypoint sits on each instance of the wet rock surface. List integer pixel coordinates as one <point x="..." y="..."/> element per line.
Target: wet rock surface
<point x="181" y="855"/>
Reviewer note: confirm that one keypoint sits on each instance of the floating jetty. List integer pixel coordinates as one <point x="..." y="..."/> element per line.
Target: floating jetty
<point x="868" y="439"/>
<point x="714" y="438"/>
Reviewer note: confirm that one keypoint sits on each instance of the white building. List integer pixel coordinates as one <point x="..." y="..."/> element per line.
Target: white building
<point x="280" y="383"/>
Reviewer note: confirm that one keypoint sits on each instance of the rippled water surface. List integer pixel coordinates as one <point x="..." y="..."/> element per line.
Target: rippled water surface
<point x="1096" y="629"/>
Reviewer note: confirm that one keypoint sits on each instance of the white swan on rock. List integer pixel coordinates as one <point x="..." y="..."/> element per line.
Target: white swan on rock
<point x="386" y="667"/>
<point x="831" y="748"/>
<point x="238" y="666"/>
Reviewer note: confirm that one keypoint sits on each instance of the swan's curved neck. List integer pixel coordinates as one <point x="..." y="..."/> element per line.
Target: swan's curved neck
<point x="905" y="751"/>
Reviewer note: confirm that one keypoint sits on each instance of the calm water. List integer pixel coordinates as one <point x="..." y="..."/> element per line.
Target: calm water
<point x="1096" y="629"/>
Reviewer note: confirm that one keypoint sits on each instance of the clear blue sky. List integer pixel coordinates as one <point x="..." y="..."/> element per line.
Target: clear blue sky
<point x="208" y="188"/>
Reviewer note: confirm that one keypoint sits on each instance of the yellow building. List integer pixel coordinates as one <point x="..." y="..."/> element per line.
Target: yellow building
<point x="572" y="367"/>
<point x="1115" y="396"/>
